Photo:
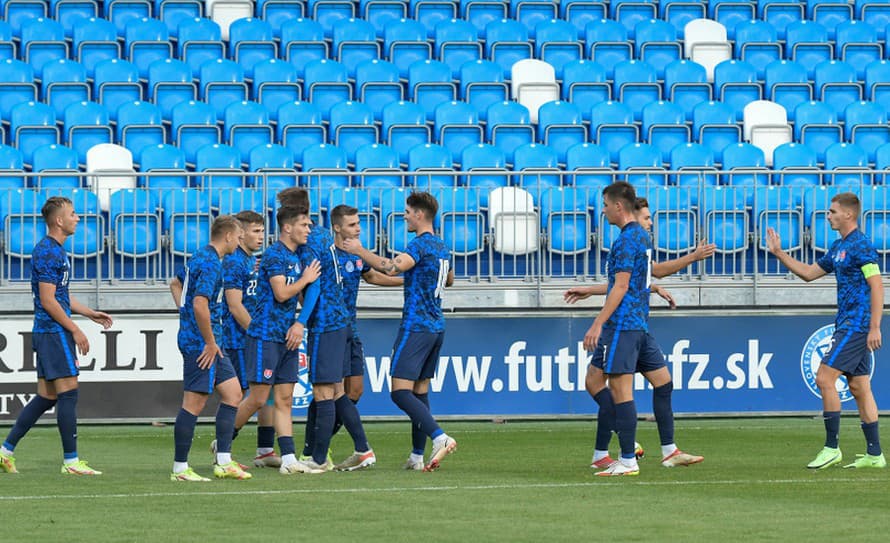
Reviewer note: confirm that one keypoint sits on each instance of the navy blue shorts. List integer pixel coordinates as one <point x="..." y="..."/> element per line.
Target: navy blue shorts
<point x="56" y="355"/>
<point x="270" y="362"/>
<point x="194" y="379"/>
<point x="415" y="355"/>
<point x="240" y="365"/>
<point x="849" y="353"/>
<point x="329" y="355"/>
<point x="627" y="351"/>
<point x="356" y="357"/>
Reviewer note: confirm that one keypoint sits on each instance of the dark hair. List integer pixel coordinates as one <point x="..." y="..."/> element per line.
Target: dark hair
<point x="249" y="217"/>
<point x="623" y="192"/>
<point x="640" y="203"/>
<point x="425" y="202"/>
<point x="223" y="225"/>
<point x="52" y="206"/>
<point x="289" y="214"/>
<point x="341" y="211"/>
<point x="848" y="200"/>
<point x="294" y="197"/>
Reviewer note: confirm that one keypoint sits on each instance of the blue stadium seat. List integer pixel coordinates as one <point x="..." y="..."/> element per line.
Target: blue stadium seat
<point x="352" y="126"/>
<point x="186" y="219"/>
<point x="456" y="126"/>
<point x="17" y="13"/>
<point x="430" y="13"/>
<point x="831" y="14"/>
<point x="86" y="125"/>
<point x="674" y="218"/>
<point x="430" y="159"/>
<point x="278" y="12"/>
<point x="193" y="125"/>
<point x="482" y="84"/>
<point x="837" y="84"/>
<point x="302" y="41"/>
<point x="326" y="82"/>
<point x="200" y="40"/>
<point x="782" y="14"/>
<point x="630" y="13"/>
<point x="7" y="45"/>
<point x="139" y="124"/>
<point x="560" y="126"/>
<point x="275" y="83"/>
<point x="486" y="164"/>
<point x="645" y="158"/>
<point x="816" y="125"/>
<point x="714" y="126"/>
<point x="169" y="84"/>
<point x="877" y="83"/>
<point x="795" y="162"/>
<point x="696" y="159"/>
<point x="681" y="13"/>
<point x="876" y="218"/>
<point x="584" y="84"/>
<point x="565" y="218"/>
<point x="656" y="44"/>
<point x="591" y="169"/>
<point x="611" y="127"/>
<point x="116" y="82"/>
<point x="664" y="126"/>
<point x="736" y="84"/>
<point x="41" y="41"/>
<point x="730" y="14"/>
<point x="31" y="125"/>
<point x="506" y="43"/>
<point x="299" y="126"/>
<point x="219" y="158"/>
<point x="382" y="12"/>
<point x="745" y="158"/>
<point x="179" y="13"/>
<point x="328" y="12"/>
<point x="779" y="208"/>
<point x="404" y="126"/>
<point x="556" y="44"/>
<point x="857" y="44"/>
<point x="16" y="85"/>
<point x="865" y="124"/>
<point x="636" y="84"/>
<point x="94" y="40"/>
<point x="607" y="43"/>
<point x="816" y="202"/>
<point x="404" y="43"/>
<point x="725" y="219"/>
<point x="222" y="83"/>
<point x="147" y="41"/>
<point x="508" y="127"/>
<point x="787" y="84"/>
<point x="756" y="42"/>
<point x="353" y="42"/>
<point x="430" y="84"/>
<point x="482" y="12"/>
<point x="329" y="159"/>
<point x="377" y="84"/>
<point x="850" y="165"/>
<point x="134" y="223"/>
<point x="686" y="85"/>
<point x="167" y="159"/>
<point x="11" y="160"/>
<point x="807" y="43"/>
<point x="251" y="41"/>
<point x="53" y="159"/>
<point x="457" y="43"/>
<point x="23" y="227"/>
<point x="460" y="220"/>
<point x="381" y="162"/>
<point x="232" y="201"/>
<point x="275" y="164"/>
<point x="70" y="12"/>
<point x="537" y="165"/>
<point x="246" y="125"/>
<point x="360" y="199"/>
<point x="64" y="83"/>
<point x="877" y="14"/>
<point x="392" y="219"/>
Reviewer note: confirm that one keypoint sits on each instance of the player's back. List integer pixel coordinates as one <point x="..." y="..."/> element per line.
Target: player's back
<point x="424" y="284"/>
<point x="49" y="264"/>
<point x="330" y="311"/>
<point x="201" y="276"/>
<point x="239" y="273"/>
<point x="631" y="252"/>
<point x="852" y="259"/>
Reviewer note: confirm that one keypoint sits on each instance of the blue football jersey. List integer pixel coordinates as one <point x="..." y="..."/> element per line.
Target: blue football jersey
<point x="352" y="267"/>
<point x="631" y="252"/>
<point x="330" y="311"/>
<point x="49" y="264"/>
<point x="239" y="273"/>
<point x="845" y="258"/>
<point x="271" y="319"/>
<point x="424" y="284"/>
<point x="202" y="276"/>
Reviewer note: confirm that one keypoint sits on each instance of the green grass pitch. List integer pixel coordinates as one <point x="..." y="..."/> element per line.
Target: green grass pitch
<point x="520" y="481"/>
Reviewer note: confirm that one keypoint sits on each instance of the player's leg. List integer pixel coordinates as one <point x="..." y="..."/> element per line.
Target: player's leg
<point x="229" y="389"/>
<point x="354" y="379"/>
<point x="826" y="381"/>
<point x="327" y="357"/>
<point x="418" y="437"/>
<point x="251" y="403"/>
<point x="309" y="437"/>
<point x="347" y="413"/>
<point x="595" y="383"/>
<point x="43" y="401"/>
<point x="860" y="387"/>
<point x="183" y="434"/>
<point x="265" y="437"/>
<point x="619" y="364"/>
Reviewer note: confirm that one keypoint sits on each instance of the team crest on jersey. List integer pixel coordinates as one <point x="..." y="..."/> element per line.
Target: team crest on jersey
<point x="302" y="388"/>
<point x="350" y="267"/>
<point x="267" y="374"/>
<point x="815" y="348"/>
<point x="358" y="264"/>
<point x="840" y="256"/>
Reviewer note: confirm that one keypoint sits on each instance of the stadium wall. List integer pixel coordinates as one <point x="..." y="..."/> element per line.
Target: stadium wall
<point x="528" y="364"/>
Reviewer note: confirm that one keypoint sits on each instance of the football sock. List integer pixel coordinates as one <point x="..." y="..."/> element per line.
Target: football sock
<point x="286" y="445"/>
<point x="66" y="418"/>
<point x="225" y="422"/>
<point x="418" y="438"/>
<point x="415" y="458"/>
<point x="832" y="420"/>
<point x="309" y="440"/>
<point x="872" y="440"/>
<point x="626" y="426"/>
<point x="179" y="467"/>
<point x="667" y="450"/>
<point x="348" y="413"/>
<point x="183" y="432"/>
<point x="418" y="412"/>
<point x="605" y="419"/>
<point x="235" y="431"/>
<point x="325" y="414"/>
<point x="26" y="419"/>
<point x="664" y="413"/>
<point x="599" y="455"/>
<point x="265" y="437"/>
<point x="338" y="422"/>
<point x="223" y="458"/>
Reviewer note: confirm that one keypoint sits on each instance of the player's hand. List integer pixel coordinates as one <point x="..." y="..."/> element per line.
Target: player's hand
<point x="666" y="295"/>
<point x="773" y="241"/>
<point x="312" y="271"/>
<point x="83" y="344"/>
<point x="295" y="336"/>
<point x="576" y="294"/>
<point x="352" y="245"/>
<point x="704" y="250"/>
<point x="874" y="339"/>
<point x="209" y="355"/>
<point x="102" y="319"/>
<point x="592" y="337"/>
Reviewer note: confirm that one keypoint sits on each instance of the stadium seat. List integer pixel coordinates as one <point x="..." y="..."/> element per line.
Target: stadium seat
<point x="226" y="12"/>
<point x="51" y="159"/>
<point x="858" y="45"/>
<point x="787" y="84"/>
<point x="513" y="221"/>
<point x="200" y="40"/>
<point x="556" y="44"/>
<point x="607" y="43"/>
<point x="636" y="84"/>
<point x="251" y="41"/>
<point x="275" y="83"/>
<point x="508" y="127"/>
<point x="352" y="126"/>
<point x="560" y="126"/>
<point x="837" y="84"/>
<point x="428" y="159"/>
<point x="31" y="125"/>
<point x="360" y="199"/>
<point x="430" y="84"/>
<point x="354" y="41"/>
<point x="865" y="124"/>
<point x="16" y="85"/>
<point x="116" y="82"/>
<point x="736" y="84"/>
<point x="457" y="43"/>
<point x="165" y="159"/>
<point x="725" y="219"/>
<point x="664" y="126"/>
<point x="392" y="207"/>
<point x="404" y="43"/>
<point x="299" y="126"/>
<point x="756" y="42"/>
<point x="17" y="13"/>
<point x="849" y="163"/>
<point x="377" y="84"/>
<point x="23" y="227"/>
<point x="115" y="166"/>
<point x="674" y="218"/>
<point x="328" y="12"/>
<point x="326" y="82"/>
<point x="782" y="14"/>
<point x="686" y="85"/>
<point x="186" y="220"/>
<point x="584" y="85"/>
<point x="680" y="13"/>
<point x="796" y="163"/>
<point x="612" y="127"/>
<point x="135" y="225"/>
<point x="147" y="41"/>
<point x="11" y="161"/>
<point x="64" y="83"/>
<point x="232" y="201"/>
<point x="86" y="124"/>
<point x="807" y="43"/>
<point x="176" y="13"/>
<point x="246" y="125"/>
<point x="779" y="208"/>
<point x="380" y="162"/>
<point x="482" y="84"/>
<point x="705" y="42"/>
<point x="70" y="12"/>
<point x="487" y="166"/>
<point x="194" y="125"/>
<point x="816" y="126"/>
<point x="302" y="41"/>
<point x="94" y="40"/>
<point x="404" y="126"/>
<point x="533" y="83"/>
<point x="831" y="14"/>
<point x="382" y="12"/>
<point x="644" y="158"/>
<point x="41" y="41"/>
<point x="219" y="158"/>
<point x="222" y="83"/>
<point x="876" y="218"/>
<point x="590" y="168"/>
<point x="275" y="166"/>
<point x="139" y="124"/>
<point x="278" y="12"/>
<point x="460" y="220"/>
<point x="327" y="161"/>
<point x="566" y="221"/>
<point x="766" y="126"/>
<point x="538" y="167"/>
<point x="698" y="161"/>
<point x="169" y="84"/>
<point x="714" y="126"/>
<point x="656" y="44"/>
<point x="743" y="161"/>
<point x="457" y="126"/>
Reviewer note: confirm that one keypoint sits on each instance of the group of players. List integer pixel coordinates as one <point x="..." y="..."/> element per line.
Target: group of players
<point x="243" y="319"/>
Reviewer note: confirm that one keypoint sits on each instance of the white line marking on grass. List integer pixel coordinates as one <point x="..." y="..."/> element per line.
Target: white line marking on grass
<point x="433" y="488"/>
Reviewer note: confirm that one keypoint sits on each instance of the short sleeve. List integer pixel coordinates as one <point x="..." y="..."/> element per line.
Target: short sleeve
<point x="623" y="254"/>
<point x="180" y="274"/>
<point x="234" y="273"/>
<point x="826" y="261"/>
<point x="273" y="263"/>
<point x="205" y="280"/>
<point x="415" y="249"/>
<point x="366" y="267"/>
<point x="47" y="268"/>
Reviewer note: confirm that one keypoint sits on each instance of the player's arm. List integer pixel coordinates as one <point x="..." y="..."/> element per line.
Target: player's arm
<point x="284" y="292"/>
<point x="449" y="280"/>
<point x="201" y="307"/>
<point x="665" y="294"/>
<point x="807" y="272"/>
<point x="235" y="301"/>
<point x="876" y="297"/>
<point x="47" y="293"/>
<point x="99" y="317"/>
<point x="374" y="277"/>
<point x="308" y="300"/>
<point x="613" y="300"/>
<point x="576" y="294"/>
<point x="702" y="251"/>
<point x="400" y="263"/>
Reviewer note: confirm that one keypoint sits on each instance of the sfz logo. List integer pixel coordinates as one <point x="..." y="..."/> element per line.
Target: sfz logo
<point x="302" y="388"/>
<point x="814" y="350"/>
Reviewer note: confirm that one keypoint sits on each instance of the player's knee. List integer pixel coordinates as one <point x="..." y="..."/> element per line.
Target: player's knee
<point x="824" y="381"/>
<point x="664" y="391"/>
<point x="594" y="383"/>
<point x="400" y="397"/>
<point x="859" y="387"/>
